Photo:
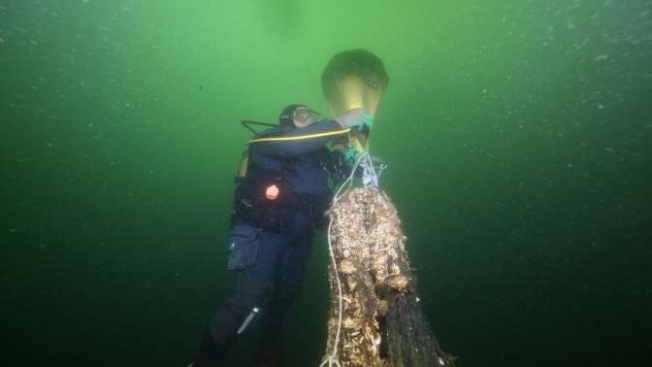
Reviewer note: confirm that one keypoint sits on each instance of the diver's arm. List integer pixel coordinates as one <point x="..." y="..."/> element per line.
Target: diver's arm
<point x="299" y="141"/>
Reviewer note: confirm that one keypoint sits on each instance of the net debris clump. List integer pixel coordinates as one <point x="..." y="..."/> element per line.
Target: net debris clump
<point x="381" y="322"/>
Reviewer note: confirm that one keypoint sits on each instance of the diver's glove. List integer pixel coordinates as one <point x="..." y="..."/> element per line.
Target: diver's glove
<point x="357" y="117"/>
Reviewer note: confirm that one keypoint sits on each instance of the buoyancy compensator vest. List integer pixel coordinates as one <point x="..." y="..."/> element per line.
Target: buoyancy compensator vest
<point x="264" y="199"/>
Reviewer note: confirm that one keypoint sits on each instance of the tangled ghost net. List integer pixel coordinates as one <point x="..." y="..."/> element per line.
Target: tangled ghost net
<point x="375" y="317"/>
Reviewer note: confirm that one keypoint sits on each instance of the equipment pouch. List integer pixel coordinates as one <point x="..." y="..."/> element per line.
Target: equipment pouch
<point x="243" y="247"/>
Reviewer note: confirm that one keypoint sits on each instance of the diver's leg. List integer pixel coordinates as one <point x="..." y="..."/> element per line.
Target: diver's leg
<point x="288" y="283"/>
<point x="253" y="287"/>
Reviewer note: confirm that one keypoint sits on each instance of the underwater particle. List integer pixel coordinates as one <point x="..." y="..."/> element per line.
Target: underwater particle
<point x="601" y="57"/>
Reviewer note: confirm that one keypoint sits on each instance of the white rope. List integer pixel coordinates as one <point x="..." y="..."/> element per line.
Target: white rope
<point x="332" y="360"/>
<point x="369" y="175"/>
<point x="369" y="178"/>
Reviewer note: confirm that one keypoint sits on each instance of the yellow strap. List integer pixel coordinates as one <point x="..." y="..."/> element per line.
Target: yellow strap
<point x="361" y="148"/>
<point x="301" y="137"/>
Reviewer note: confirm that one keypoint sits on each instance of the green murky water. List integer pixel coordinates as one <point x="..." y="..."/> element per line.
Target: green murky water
<point x="517" y="133"/>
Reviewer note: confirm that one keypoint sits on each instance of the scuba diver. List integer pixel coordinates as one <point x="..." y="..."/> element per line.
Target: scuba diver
<point x="278" y="204"/>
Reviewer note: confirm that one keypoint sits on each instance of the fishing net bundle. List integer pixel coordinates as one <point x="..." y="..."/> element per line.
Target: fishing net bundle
<point x="375" y="317"/>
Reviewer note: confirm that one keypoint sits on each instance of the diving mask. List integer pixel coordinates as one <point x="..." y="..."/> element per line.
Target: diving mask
<point x="304" y="113"/>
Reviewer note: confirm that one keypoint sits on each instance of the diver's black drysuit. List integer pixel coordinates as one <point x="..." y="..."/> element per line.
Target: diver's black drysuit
<point x="271" y="236"/>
